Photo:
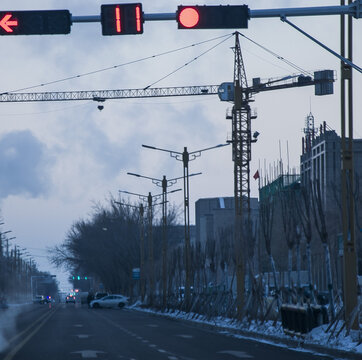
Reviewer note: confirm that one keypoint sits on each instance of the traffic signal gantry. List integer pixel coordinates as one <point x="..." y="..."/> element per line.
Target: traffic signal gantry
<point x="128" y="19"/>
<point x="122" y="19"/>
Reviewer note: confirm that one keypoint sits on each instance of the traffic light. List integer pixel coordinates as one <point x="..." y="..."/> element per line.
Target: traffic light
<point x="35" y="22"/>
<point x="122" y="19"/>
<point x="213" y="17"/>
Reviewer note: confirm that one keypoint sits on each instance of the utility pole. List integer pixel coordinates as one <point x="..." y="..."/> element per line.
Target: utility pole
<point x="164" y="183"/>
<point x="347" y="175"/>
<point x="141" y="211"/>
<point x="151" y="271"/>
<point x="186" y="158"/>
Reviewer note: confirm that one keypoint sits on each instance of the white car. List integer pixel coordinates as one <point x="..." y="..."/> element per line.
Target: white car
<point x="109" y="301"/>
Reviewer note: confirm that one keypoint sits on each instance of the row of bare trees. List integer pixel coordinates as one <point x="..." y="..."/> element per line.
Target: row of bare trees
<point x="107" y="247"/>
<point x="16" y="275"/>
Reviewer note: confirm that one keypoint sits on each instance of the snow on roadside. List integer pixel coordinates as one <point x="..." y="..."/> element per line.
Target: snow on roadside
<point x="317" y="336"/>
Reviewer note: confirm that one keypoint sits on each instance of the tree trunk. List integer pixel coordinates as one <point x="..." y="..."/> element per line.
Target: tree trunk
<point x="329" y="278"/>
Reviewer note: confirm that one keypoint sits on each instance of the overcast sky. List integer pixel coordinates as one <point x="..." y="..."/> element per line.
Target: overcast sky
<point x="57" y="159"/>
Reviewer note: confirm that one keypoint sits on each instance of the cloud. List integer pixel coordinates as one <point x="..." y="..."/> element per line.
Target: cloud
<point x="24" y="165"/>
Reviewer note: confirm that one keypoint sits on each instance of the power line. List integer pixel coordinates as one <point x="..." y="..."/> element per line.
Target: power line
<point x="188" y="63"/>
<point x="279" y="57"/>
<point x="115" y="66"/>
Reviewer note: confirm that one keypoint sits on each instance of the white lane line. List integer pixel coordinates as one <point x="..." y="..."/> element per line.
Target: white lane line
<point x="238" y="354"/>
<point x="185" y="336"/>
<point x="161" y="350"/>
<point x="152" y="345"/>
<point x="82" y="336"/>
<point x="78" y="325"/>
<point x="153" y="325"/>
<point x="172" y="358"/>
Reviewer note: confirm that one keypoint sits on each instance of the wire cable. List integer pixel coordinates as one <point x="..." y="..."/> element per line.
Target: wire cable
<point x="188" y="63"/>
<point x="294" y="66"/>
<point x="114" y="66"/>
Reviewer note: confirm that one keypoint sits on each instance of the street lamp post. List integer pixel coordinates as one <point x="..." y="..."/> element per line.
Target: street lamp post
<point x="1" y="240"/>
<point x="7" y="245"/>
<point x="142" y="241"/>
<point x="186" y="157"/>
<point x="164" y="183"/>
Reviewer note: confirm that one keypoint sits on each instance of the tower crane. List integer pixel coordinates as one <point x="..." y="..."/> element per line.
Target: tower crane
<point x="225" y="91"/>
<point x="237" y="92"/>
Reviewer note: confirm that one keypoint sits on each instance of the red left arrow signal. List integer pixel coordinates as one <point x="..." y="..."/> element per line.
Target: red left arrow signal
<point x="5" y="23"/>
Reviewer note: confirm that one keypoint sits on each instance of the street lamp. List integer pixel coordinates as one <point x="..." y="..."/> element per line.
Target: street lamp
<point x="164" y="183"/>
<point x="140" y="209"/>
<point x="7" y="245"/>
<point x="1" y="240"/>
<point x="186" y="157"/>
<point x="141" y="217"/>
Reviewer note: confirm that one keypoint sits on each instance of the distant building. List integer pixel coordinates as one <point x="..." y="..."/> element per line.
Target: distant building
<point x="321" y="161"/>
<point x="215" y="215"/>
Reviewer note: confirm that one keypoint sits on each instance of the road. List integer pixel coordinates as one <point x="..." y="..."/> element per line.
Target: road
<point x="68" y="331"/>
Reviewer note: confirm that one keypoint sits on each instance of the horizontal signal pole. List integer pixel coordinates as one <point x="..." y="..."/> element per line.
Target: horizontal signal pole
<point x="354" y="9"/>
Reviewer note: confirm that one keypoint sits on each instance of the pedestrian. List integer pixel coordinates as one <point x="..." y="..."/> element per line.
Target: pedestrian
<point x="90" y="297"/>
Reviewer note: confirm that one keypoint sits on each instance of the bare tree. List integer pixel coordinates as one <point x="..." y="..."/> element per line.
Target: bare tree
<point x="266" y="213"/>
<point x="287" y="209"/>
<point x="320" y="224"/>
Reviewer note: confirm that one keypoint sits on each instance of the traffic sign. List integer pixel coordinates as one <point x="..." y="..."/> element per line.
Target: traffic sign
<point x="122" y="19"/>
<point x="212" y="17"/>
<point x="35" y="22"/>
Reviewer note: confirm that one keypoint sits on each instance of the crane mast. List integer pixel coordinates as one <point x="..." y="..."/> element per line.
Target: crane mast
<point x="241" y="145"/>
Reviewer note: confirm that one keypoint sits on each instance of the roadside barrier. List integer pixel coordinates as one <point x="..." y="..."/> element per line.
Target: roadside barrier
<point x="298" y="320"/>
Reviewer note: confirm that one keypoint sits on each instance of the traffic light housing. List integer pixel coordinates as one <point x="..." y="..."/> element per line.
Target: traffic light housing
<point x="212" y="17"/>
<point x="35" y="22"/>
<point x="122" y="19"/>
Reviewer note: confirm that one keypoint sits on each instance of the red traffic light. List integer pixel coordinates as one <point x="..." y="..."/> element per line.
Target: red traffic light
<point x="35" y="22"/>
<point x="188" y="17"/>
<point x="122" y="19"/>
<point x="212" y="17"/>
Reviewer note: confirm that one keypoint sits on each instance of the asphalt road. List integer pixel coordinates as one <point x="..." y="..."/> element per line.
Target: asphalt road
<point x="68" y="331"/>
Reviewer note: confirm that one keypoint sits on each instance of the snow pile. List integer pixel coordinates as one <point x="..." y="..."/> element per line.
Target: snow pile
<point x="271" y="332"/>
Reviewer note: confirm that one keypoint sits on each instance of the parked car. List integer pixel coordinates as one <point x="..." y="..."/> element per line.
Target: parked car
<point x="99" y="295"/>
<point x="39" y="299"/>
<point x="109" y="302"/>
<point x="70" y="299"/>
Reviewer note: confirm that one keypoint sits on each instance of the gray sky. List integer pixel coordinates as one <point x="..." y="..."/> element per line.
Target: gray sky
<point x="58" y="158"/>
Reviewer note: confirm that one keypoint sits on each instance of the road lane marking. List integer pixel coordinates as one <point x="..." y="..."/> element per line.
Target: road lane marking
<point x="89" y="354"/>
<point x="170" y="355"/>
<point x="238" y="354"/>
<point x="185" y="336"/>
<point x="18" y="347"/>
<point x="78" y="325"/>
<point x="83" y="336"/>
<point x="21" y="333"/>
<point x="153" y="325"/>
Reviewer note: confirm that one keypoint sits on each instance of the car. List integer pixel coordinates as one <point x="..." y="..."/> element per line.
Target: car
<point x="109" y="302"/>
<point x="70" y="299"/>
<point x="100" y="295"/>
<point x="39" y="299"/>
